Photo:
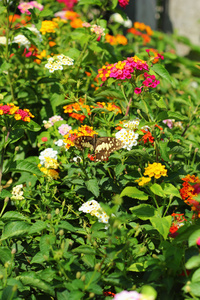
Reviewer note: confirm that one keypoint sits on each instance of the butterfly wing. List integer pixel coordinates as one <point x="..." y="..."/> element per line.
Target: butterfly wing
<point x="106" y="145"/>
<point x="84" y="142"/>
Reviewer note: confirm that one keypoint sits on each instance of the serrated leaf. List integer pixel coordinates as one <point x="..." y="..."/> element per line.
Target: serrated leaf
<point x="5" y="255"/>
<point x="170" y="189"/>
<point x="66" y="225"/>
<point x="138" y="267"/>
<point x="92" y="2"/>
<point x="92" y="186"/>
<point x="133" y="192"/>
<point x="157" y="190"/>
<point x="37" y="227"/>
<point x="38" y="258"/>
<point x="162" y="72"/>
<point x="85" y="249"/>
<point x="196" y="276"/>
<point x="162" y="225"/>
<point x="14" y="229"/>
<point x="29" y="279"/>
<point x="143" y="211"/>
<point x="14" y="215"/>
<point x="25" y="166"/>
<point x="4" y="193"/>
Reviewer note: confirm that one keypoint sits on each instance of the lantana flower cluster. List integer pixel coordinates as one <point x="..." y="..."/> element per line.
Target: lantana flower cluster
<point x="178" y="221"/>
<point x="127" y="134"/>
<point x="155" y="170"/>
<point x="129" y="295"/>
<point x="48" y="27"/>
<point x="25" y="6"/>
<point x="74" y="109"/>
<point x="123" y="3"/>
<point x="48" y="163"/>
<point x="21" y="40"/>
<point x="97" y="29"/>
<point x="84" y="130"/>
<point x="57" y="62"/>
<point x="110" y="106"/>
<point x="94" y="209"/>
<point x="52" y="121"/>
<point x="119" y="39"/>
<point x="68" y="3"/>
<point x="145" y="31"/>
<point x="190" y="189"/>
<point x="126" y="69"/>
<point x="17" y="192"/>
<point x="19" y="114"/>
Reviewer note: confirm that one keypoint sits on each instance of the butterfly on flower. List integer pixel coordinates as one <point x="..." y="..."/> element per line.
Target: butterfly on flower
<point x="102" y="146"/>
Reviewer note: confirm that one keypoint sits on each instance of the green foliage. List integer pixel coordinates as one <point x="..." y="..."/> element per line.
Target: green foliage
<point x="73" y="226"/>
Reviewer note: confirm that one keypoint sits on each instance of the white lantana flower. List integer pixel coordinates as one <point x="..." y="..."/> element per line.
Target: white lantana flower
<point x="94" y="209"/>
<point x="57" y="62"/>
<point x="46" y="154"/>
<point x="17" y="192"/>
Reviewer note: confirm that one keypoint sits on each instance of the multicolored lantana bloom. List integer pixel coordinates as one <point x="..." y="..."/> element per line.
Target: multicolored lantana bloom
<point x="17" y="192"/>
<point x="48" y="163"/>
<point x="12" y="110"/>
<point x="190" y="189"/>
<point x="25" y="6"/>
<point x="129" y="69"/>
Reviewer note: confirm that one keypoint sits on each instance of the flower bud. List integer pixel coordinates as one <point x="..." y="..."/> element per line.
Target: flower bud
<point x="6" y="199"/>
<point x="13" y="251"/>
<point x="83" y="278"/>
<point x="61" y="232"/>
<point x="49" y="216"/>
<point x="3" y="129"/>
<point x="91" y="295"/>
<point x="17" y="149"/>
<point x="78" y="275"/>
<point x="57" y="211"/>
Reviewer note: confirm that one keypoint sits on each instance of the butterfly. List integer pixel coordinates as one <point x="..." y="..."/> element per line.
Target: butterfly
<point x="102" y="146"/>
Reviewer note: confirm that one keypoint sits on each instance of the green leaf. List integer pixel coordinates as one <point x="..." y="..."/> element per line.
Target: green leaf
<point x="85" y="249"/>
<point x="92" y="2"/>
<point x="14" y="229"/>
<point x="66" y="225"/>
<point x="143" y="211"/>
<point x="163" y="146"/>
<point x="5" y="255"/>
<point x="193" y="262"/>
<point x="193" y="238"/>
<point x="38" y="258"/>
<point x="9" y="293"/>
<point x="162" y="225"/>
<point x="46" y="241"/>
<point x="170" y="189"/>
<point x="63" y="295"/>
<point x="4" y="193"/>
<point x="31" y="279"/>
<point x="2" y="9"/>
<point x="157" y="190"/>
<point x="47" y="80"/>
<point x="25" y="166"/>
<point x="92" y="186"/>
<point x="196" y="276"/>
<point x="14" y="215"/>
<point x="195" y="288"/>
<point x="162" y="72"/>
<point x="138" y="267"/>
<point x="45" y="13"/>
<point x="37" y="227"/>
<point x="133" y="192"/>
<point x="76" y="295"/>
<point x="32" y="126"/>
<point x="149" y="292"/>
<point x="56" y="100"/>
<point x="177" y="116"/>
